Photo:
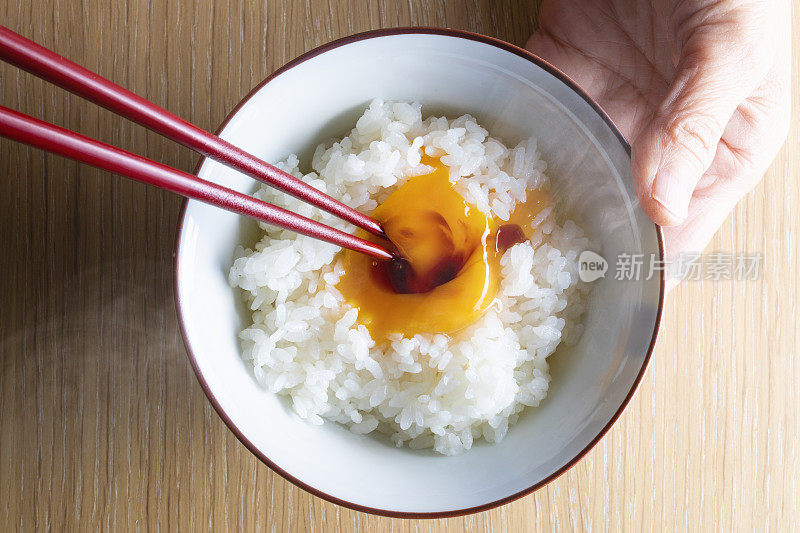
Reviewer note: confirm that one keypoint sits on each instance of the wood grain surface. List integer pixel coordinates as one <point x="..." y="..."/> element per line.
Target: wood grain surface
<point x="102" y="422"/>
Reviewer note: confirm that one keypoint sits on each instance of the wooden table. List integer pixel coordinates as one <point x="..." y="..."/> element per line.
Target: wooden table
<point x="102" y="422"/>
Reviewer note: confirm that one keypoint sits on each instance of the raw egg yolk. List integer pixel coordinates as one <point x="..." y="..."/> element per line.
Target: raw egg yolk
<point x="447" y="269"/>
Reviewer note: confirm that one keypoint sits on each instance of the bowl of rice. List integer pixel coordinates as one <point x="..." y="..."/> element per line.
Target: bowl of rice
<point x="422" y="423"/>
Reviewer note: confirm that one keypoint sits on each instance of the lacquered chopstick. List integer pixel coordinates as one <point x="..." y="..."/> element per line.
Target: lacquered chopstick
<point x="40" y="134"/>
<point x="46" y="64"/>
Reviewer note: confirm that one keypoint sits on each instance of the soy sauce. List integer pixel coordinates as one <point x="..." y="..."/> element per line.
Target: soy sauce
<point x="399" y="274"/>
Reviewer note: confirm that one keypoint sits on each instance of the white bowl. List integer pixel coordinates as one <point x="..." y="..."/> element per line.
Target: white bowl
<point x="515" y="95"/>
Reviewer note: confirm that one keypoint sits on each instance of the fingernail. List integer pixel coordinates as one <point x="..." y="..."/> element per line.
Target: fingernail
<point x="672" y="193"/>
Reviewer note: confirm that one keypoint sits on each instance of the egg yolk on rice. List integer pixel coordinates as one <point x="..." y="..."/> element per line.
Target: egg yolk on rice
<point x="449" y="267"/>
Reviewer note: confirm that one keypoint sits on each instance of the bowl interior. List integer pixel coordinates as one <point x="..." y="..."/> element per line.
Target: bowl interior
<point x="589" y="167"/>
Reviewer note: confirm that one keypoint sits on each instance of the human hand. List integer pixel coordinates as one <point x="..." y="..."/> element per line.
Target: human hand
<point x="700" y="88"/>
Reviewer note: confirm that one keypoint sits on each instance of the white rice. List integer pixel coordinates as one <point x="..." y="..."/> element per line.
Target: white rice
<point x="429" y="390"/>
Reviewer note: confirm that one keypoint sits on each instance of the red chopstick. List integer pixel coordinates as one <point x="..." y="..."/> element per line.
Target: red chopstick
<point x="40" y="61"/>
<point x="40" y="134"/>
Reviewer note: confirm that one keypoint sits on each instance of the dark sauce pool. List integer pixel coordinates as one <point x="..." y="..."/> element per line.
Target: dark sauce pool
<point x="399" y="275"/>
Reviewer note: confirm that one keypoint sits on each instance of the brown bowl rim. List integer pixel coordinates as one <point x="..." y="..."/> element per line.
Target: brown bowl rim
<point x="425" y="30"/>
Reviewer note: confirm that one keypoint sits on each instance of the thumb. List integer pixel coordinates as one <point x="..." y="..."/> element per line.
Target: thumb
<point x="678" y="145"/>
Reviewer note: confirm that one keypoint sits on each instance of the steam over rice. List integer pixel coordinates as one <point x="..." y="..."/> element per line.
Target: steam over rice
<point x="429" y="390"/>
